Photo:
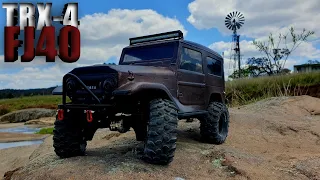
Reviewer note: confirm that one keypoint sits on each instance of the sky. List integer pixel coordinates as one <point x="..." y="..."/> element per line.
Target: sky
<point x="106" y="27"/>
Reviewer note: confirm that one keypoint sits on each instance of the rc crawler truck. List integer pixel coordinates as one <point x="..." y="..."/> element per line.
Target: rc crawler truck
<point x="160" y="79"/>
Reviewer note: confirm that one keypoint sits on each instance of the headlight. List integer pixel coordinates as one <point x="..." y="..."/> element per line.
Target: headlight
<point x="71" y="85"/>
<point x="108" y="85"/>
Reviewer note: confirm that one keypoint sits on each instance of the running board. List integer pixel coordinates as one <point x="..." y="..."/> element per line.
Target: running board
<point x="191" y="114"/>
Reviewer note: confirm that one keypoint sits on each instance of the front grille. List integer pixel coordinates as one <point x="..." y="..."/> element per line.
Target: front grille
<point x="94" y="82"/>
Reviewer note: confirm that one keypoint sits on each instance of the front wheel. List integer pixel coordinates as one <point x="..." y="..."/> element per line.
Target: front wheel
<point x="67" y="139"/>
<point x="160" y="143"/>
<point x="215" y="124"/>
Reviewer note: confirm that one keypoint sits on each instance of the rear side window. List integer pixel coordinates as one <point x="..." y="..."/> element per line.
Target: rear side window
<point x="214" y="66"/>
<point x="191" y="60"/>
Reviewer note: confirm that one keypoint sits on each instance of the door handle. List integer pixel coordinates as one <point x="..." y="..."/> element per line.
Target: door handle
<point x="180" y="94"/>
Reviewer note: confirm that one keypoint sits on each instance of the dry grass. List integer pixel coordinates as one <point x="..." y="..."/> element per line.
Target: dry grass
<point x="238" y="92"/>
<point x="48" y="101"/>
<point x="245" y="91"/>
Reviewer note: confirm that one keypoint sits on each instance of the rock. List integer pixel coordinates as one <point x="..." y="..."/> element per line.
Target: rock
<point x="8" y="174"/>
<point x="27" y="114"/>
<point x="46" y="121"/>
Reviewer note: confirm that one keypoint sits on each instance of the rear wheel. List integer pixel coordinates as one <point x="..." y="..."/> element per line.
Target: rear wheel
<point x="214" y="126"/>
<point x="68" y="139"/>
<point x="160" y="143"/>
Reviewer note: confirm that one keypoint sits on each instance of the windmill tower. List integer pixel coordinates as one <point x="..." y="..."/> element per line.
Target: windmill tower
<point x="234" y="21"/>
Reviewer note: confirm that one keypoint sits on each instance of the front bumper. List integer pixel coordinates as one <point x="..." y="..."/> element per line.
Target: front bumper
<point x="85" y="106"/>
<point x="101" y="110"/>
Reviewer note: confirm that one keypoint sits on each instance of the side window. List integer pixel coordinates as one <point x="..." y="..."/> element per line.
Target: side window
<point x="191" y="60"/>
<point x="214" y="66"/>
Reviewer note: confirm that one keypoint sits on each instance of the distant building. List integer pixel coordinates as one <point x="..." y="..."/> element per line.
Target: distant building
<point x="306" y="68"/>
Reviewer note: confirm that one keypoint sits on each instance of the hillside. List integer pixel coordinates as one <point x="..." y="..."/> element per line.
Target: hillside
<point x="12" y="93"/>
<point x="276" y="138"/>
<point x="47" y="101"/>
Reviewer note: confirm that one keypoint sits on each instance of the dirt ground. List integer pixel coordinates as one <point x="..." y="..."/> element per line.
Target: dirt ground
<point x="278" y="138"/>
<point x="14" y="137"/>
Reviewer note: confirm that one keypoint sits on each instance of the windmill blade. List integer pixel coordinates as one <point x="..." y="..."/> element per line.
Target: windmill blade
<point x="227" y="22"/>
<point x="234" y="20"/>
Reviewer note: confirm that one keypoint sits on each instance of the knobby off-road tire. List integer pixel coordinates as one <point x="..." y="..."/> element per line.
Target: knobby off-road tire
<point x="67" y="139"/>
<point x="214" y="126"/>
<point x="160" y="143"/>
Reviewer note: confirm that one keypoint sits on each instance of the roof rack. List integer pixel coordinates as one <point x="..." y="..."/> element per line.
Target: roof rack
<point x="156" y="37"/>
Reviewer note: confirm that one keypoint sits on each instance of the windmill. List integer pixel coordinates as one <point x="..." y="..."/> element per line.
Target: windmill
<point x="234" y="21"/>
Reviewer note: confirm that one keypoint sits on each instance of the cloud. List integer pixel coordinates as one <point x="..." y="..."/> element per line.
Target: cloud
<point x="104" y="35"/>
<point x="261" y="17"/>
<point x="32" y="77"/>
<point x="102" y="38"/>
<point x="304" y="52"/>
<point x="247" y="48"/>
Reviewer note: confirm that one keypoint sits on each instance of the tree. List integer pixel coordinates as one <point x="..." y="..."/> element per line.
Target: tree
<point x="244" y="73"/>
<point x="276" y="57"/>
<point x="9" y="96"/>
<point x="110" y="63"/>
<point x="313" y="62"/>
<point x="285" y="71"/>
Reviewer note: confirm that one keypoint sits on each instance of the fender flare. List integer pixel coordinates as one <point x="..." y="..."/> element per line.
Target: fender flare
<point x="139" y="87"/>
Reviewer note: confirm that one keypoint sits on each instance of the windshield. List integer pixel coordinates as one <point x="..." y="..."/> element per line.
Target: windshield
<point x="147" y="53"/>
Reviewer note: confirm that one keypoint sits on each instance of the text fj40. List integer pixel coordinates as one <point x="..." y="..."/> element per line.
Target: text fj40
<point x="160" y="79"/>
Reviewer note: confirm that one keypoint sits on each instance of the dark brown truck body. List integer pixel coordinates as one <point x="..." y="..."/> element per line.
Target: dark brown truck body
<point x="160" y="78"/>
<point x="190" y="91"/>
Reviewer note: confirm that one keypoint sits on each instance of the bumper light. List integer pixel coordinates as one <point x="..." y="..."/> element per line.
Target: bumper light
<point x="60" y="115"/>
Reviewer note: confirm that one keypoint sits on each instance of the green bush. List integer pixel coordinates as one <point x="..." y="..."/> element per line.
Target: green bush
<point x="45" y="131"/>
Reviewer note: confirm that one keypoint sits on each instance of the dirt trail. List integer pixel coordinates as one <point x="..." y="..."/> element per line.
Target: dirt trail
<point x="277" y="138"/>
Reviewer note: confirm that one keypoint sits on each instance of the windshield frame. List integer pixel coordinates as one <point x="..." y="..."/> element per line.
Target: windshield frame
<point x="175" y="45"/>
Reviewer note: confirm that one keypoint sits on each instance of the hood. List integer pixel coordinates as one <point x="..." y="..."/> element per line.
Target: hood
<point x="93" y="75"/>
<point x="102" y="80"/>
<point x="135" y="69"/>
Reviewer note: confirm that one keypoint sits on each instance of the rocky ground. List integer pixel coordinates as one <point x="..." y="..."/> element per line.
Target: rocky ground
<point x="277" y="138"/>
<point x="26" y="115"/>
